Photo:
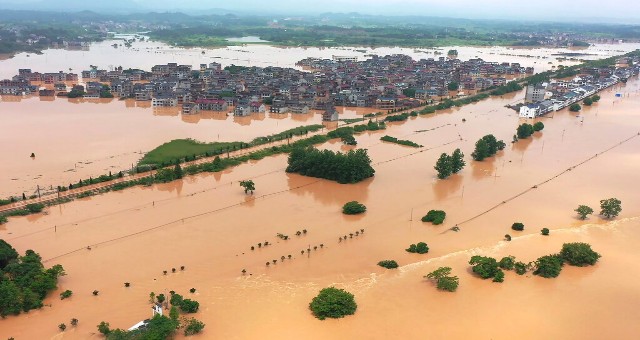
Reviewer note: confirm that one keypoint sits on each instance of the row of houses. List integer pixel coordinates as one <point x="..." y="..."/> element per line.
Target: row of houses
<point x="541" y="99"/>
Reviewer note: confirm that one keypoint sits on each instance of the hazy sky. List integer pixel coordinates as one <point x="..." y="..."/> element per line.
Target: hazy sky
<point x="490" y="9"/>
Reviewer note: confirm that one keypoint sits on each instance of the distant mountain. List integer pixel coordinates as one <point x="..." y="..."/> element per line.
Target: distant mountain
<point x="110" y="6"/>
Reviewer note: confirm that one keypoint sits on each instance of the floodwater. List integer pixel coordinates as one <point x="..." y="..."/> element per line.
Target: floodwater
<point x="208" y="224"/>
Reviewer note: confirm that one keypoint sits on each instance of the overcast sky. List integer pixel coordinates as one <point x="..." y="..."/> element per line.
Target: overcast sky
<point x="490" y="9"/>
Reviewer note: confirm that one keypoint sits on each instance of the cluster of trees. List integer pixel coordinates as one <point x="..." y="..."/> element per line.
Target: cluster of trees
<point x="248" y="185"/>
<point x="609" y="208"/>
<point x="333" y="303"/>
<point x="525" y="130"/>
<point x="185" y="305"/>
<point x="590" y="100"/>
<point x="507" y="88"/>
<point x="24" y="282"/>
<point x="351" y="167"/>
<point x="447" y="165"/>
<point x="487" y="146"/>
<point x="400" y="141"/>
<point x="487" y="267"/>
<point x="389" y="264"/>
<point x="435" y="216"/>
<point x="353" y="208"/>
<point x="420" y="248"/>
<point x="443" y="279"/>
<point x="166" y="175"/>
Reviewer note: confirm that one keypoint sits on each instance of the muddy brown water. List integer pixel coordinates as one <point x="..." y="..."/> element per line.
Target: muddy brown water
<point x="208" y="224"/>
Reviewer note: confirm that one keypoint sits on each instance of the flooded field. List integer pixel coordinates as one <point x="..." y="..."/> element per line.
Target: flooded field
<point x="207" y="224"/>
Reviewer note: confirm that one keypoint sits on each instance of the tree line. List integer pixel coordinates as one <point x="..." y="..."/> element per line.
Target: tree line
<point x="351" y="167"/>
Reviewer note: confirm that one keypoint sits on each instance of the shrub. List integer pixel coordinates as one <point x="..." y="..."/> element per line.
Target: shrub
<point x="587" y="101"/>
<point x="420" y="248"/>
<point x="517" y="226"/>
<point x="548" y="266"/>
<point x="538" y="126"/>
<point x="579" y="254"/>
<point x="520" y="268"/>
<point x="66" y="294"/>
<point x="35" y="207"/>
<point x="193" y="326"/>
<point x="389" y="264"/>
<point x="499" y="277"/>
<point x="103" y="328"/>
<point x="544" y="231"/>
<point x="353" y="208"/>
<point x="435" y="216"/>
<point x="333" y="303"/>
<point x="575" y="108"/>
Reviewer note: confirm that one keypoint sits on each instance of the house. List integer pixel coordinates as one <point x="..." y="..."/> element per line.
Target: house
<point x="242" y="110"/>
<point x="46" y="93"/>
<point x="299" y="108"/>
<point x="529" y="111"/>
<point x="278" y="109"/>
<point x="164" y="100"/>
<point x="190" y="108"/>
<point x="330" y="114"/>
<point x="257" y="107"/>
<point x="535" y="93"/>
<point x="212" y="104"/>
<point x="385" y="103"/>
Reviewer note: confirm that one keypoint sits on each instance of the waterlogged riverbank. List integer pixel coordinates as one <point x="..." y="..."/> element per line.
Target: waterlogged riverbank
<point x="208" y="224"/>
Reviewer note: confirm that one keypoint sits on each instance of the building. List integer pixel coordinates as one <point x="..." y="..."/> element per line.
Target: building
<point x="330" y="114"/>
<point x="242" y="110"/>
<point x="535" y="93"/>
<point x="344" y="58"/>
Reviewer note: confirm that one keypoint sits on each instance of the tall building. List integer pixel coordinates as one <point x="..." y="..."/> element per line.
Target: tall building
<point x="535" y="93"/>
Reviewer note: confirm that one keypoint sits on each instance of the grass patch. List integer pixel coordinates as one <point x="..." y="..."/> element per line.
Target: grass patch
<point x="400" y="141"/>
<point x="179" y="149"/>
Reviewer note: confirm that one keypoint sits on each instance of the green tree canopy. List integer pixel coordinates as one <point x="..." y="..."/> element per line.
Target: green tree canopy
<point x="443" y="278"/>
<point x="583" y="211"/>
<point x="579" y="254"/>
<point x="610" y="207"/>
<point x="333" y="303"/>
<point x="548" y="266"/>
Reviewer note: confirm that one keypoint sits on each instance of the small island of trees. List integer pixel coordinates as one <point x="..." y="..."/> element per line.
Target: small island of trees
<point x="351" y="167"/>
<point x="420" y="248"/>
<point x="353" y="208"/>
<point x="389" y="264"/>
<point x="434" y="216"/>
<point x="487" y="146"/>
<point x="333" y="303"/>
<point x="450" y="164"/>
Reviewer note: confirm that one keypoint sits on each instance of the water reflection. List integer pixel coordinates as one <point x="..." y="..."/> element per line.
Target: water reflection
<point x="443" y="188"/>
<point x="327" y="192"/>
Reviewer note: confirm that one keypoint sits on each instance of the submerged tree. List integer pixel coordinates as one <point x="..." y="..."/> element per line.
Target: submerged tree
<point x="443" y="278"/>
<point x="333" y="303"/>
<point x="248" y="185"/>
<point x="583" y="211"/>
<point x="610" y="207"/>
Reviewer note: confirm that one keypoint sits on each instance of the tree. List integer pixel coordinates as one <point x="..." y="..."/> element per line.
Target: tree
<point x="583" y="211"/>
<point x="173" y="313"/>
<point x="353" y="208"/>
<point x="351" y="167"/>
<point x="520" y="268"/>
<point x="487" y="146"/>
<point x="420" y="248"/>
<point x="517" y="226"/>
<point x="444" y="280"/>
<point x="160" y="298"/>
<point x="74" y="322"/>
<point x="177" y="171"/>
<point x="485" y="267"/>
<point x="62" y="327"/>
<point x="595" y="98"/>
<point x="579" y="254"/>
<point x="544" y="231"/>
<point x="507" y="262"/>
<point x="499" y="277"/>
<point x="610" y="207"/>
<point x="444" y="166"/>
<point x="248" y="185"/>
<point x="538" y="126"/>
<point x="575" y="107"/>
<point x="66" y="294"/>
<point x="333" y="303"/>
<point x="389" y="264"/>
<point x="457" y="161"/>
<point x="524" y="130"/>
<point x="587" y="101"/>
<point x="103" y="328"/>
<point x="453" y="86"/>
<point x="193" y="326"/>
<point x="548" y="266"/>
<point x="435" y="216"/>
<point x="189" y="306"/>
<point x="7" y="254"/>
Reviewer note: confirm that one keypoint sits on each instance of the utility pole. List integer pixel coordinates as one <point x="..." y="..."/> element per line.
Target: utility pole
<point x="38" y="191"/>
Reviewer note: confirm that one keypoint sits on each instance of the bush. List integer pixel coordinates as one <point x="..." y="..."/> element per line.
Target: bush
<point x="420" y="248"/>
<point x="193" y="326"/>
<point x="548" y="266"/>
<point x="517" y="226"/>
<point x="499" y="277"/>
<point x="538" y="126"/>
<point x="544" y="231"/>
<point x="525" y="130"/>
<point x="579" y="254"/>
<point x="35" y="207"/>
<point x="351" y="167"/>
<point x="435" y="216"/>
<point x="610" y="207"/>
<point x="389" y="264"/>
<point x="575" y="108"/>
<point x="353" y="208"/>
<point x="583" y="211"/>
<point x="333" y="303"/>
<point x="587" y="101"/>
<point x="103" y="328"/>
<point x="66" y="294"/>
<point x="520" y="268"/>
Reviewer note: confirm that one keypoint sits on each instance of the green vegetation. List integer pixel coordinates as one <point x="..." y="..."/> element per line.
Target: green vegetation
<point x="179" y="149"/>
<point x="158" y="327"/>
<point x="520" y="268"/>
<point x="434" y="216"/>
<point x="548" y="266"/>
<point x="447" y="165"/>
<point x="507" y="88"/>
<point x="66" y="294"/>
<point x="587" y="101"/>
<point x="351" y="167"/>
<point x="525" y="131"/>
<point x="193" y="326"/>
<point x="353" y="208"/>
<point x="453" y="86"/>
<point x="34" y="208"/>
<point x="583" y="211"/>
<point x="189" y="306"/>
<point x="610" y="207"/>
<point x="248" y="185"/>
<point x="595" y="98"/>
<point x="487" y="146"/>
<point x="544" y="231"/>
<point x="507" y="263"/>
<point x="333" y="303"/>
<point x="517" y="226"/>
<point x="575" y="107"/>
<point x="397" y="118"/>
<point x="485" y="267"/>
<point x="400" y="141"/>
<point x="538" y="126"/>
<point x="579" y="254"/>
<point x="444" y="280"/>
<point x="389" y="264"/>
<point x="420" y="248"/>
<point x="24" y="282"/>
